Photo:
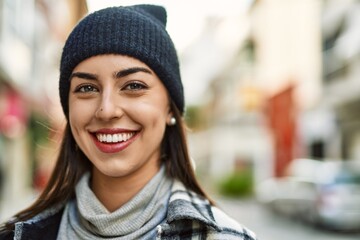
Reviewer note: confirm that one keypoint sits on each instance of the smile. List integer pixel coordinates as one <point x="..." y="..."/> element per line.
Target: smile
<point x="114" y="138"/>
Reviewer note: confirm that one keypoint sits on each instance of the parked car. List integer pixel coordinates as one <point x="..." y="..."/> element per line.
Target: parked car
<point x="325" y="193"/>
<point x="338" y="197"/>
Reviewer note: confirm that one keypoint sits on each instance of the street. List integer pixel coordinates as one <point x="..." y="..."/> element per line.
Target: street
<point x="268" y="226"/>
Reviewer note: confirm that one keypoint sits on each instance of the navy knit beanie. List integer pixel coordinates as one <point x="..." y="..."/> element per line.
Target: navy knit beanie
<point x="137" y="31"/>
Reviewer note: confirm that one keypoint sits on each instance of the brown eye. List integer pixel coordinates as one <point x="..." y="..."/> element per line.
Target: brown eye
<point x="86" y="89"/>
<point x="135" y="86"/>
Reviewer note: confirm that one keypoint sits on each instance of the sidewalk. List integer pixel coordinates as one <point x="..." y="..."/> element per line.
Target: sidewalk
<point x="269" y="226"/>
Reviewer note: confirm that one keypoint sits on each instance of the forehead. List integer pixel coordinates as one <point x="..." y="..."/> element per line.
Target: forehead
<point x="108" y="61"/>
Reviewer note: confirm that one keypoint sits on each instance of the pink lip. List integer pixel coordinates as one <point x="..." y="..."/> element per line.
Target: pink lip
<point x="113" y="130"/>
<point x="113" y="147"/>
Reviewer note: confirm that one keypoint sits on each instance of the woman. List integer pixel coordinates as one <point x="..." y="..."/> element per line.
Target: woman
<point x="124" y="170"/>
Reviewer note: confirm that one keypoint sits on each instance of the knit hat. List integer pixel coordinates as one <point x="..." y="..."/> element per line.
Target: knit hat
<point x="137" y="31"/>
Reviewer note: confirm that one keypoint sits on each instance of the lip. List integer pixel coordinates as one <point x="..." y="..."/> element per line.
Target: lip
<point x="113" y="147"/>
<point x="113" y="130"/>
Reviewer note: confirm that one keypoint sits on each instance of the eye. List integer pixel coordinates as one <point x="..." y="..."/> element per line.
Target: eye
<point x="86" y="89"/>
<point x="135" y="86"/>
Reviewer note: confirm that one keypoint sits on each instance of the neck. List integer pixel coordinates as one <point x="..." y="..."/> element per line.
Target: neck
<point x="114" y="192"/>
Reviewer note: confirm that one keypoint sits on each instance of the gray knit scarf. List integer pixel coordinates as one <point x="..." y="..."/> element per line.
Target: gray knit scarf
<point x="87" y="218"/>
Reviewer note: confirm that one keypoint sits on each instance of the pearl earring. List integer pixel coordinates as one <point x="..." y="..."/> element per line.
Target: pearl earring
<point x="172" y="121"/>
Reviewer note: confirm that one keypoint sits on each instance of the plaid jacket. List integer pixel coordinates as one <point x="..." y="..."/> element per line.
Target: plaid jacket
<point x="189" y="217"/>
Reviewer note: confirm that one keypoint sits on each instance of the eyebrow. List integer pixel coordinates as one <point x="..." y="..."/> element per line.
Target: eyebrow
<point x="129" y="71"/>
<point x="119" y="74"/>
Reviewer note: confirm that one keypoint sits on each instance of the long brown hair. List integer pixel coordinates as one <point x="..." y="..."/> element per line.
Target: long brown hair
<point x="72" y="163"/>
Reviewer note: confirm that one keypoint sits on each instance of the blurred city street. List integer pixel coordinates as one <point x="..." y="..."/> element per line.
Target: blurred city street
<point x="267" y="83"/>
<point x="270" y="226"/>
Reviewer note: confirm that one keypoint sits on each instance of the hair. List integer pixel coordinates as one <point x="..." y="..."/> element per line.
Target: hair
<point x="67" y="172"/>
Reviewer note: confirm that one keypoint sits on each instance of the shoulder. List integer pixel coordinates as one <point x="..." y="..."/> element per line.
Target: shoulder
<point x="43" y="226"/>
<point x="229" y="227"/>
<point x="191" y="215"/>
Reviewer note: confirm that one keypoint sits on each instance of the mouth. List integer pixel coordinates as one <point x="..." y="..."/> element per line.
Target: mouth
<point x="114" y="138"/>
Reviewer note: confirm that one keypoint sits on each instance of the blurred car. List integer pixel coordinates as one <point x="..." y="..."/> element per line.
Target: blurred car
<point x="325" y="193"/>
<point x="293" y="195"/>
<point x="338" y="197"/>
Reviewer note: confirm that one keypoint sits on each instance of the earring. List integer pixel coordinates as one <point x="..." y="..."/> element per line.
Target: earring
<point x="172" y="121"/>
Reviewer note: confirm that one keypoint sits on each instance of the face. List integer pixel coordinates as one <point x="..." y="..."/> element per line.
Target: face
<point x="118" y="112"/>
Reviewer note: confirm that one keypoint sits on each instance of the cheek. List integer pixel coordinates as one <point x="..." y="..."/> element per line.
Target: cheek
<point x="79" y="112"/>
<point x="153" y="113"/>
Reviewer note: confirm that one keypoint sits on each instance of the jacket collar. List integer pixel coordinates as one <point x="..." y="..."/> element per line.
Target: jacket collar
<point x="43" y="226"/>
<point x="187" y="205"/>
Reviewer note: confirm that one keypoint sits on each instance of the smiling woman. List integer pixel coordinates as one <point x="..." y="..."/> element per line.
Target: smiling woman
<point x="123" y="171"/>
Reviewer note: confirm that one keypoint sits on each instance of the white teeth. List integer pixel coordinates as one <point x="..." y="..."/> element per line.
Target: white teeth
<point x="114" y="138"/>
<point x="108" y="138"/>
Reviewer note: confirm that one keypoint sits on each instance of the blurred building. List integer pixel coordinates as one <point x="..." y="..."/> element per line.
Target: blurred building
<point x="32" y="33"/>
<point x="290" y="89"/>
<point x="273" y="75"/>
<point x="330" y="129"/>
<point x="288" y="70"/>
<point x="340" y="99"/>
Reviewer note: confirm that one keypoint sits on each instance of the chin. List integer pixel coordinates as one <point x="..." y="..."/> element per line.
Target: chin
<point x="115" y="171"/>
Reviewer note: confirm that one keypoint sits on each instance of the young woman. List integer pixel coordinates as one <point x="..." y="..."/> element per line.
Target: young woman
<point x="124" y="170"/>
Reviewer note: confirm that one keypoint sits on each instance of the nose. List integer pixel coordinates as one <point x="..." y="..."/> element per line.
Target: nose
<point x="109" y="107"/>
